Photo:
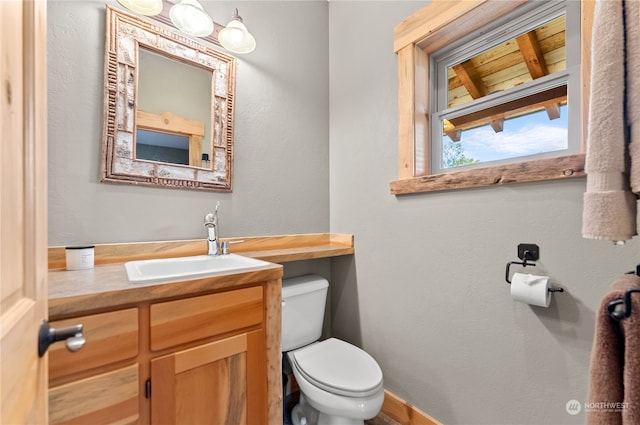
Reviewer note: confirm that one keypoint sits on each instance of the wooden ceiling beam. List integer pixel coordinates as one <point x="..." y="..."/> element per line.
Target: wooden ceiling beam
<point x="553" y="111"/>
<point x="496" y="121"/>
<point x="548" y="99"/>
<point x="532" y="54"/>
<point x="454" y="135"/>
<point x="470" y="78"/>
<point x="451" y="132"/>
<point x="497" y="124"/>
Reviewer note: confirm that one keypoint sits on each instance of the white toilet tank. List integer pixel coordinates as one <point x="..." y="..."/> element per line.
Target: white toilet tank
<point x="303" y="302"/>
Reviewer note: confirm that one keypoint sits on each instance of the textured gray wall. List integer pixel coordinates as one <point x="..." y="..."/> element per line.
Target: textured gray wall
<point x="425" y="292"/>
<point x="281" y="173"/>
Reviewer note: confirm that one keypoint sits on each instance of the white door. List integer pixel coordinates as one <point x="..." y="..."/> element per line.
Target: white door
<point x="23" y="210"/>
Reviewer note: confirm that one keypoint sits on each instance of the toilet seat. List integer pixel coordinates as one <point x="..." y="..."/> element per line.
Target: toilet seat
<point x="339" y="367"/>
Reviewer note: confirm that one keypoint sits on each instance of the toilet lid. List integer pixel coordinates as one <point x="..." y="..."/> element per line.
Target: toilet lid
<point x="339" y="367"/>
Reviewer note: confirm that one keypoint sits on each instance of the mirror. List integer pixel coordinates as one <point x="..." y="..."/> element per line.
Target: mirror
<point x="168" y="112"/>
<point x="172" y="124"/>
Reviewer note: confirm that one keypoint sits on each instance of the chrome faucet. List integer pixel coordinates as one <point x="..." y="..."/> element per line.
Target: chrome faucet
<point x="211" y="223"/>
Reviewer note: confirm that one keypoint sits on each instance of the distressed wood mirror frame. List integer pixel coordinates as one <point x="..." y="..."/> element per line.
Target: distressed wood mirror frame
<point x="125" y="34"/>
<point x="431" y="28"/>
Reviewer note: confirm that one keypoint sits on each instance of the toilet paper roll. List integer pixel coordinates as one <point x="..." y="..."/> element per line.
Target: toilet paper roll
<point x="531" y="289"/>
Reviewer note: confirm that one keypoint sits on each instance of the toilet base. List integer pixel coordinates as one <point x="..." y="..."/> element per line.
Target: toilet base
<point x="305" y="414"/>
<point x="337" y="420"/>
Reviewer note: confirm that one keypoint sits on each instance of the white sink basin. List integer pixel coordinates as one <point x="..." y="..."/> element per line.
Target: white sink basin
<point x="166" y="269"/>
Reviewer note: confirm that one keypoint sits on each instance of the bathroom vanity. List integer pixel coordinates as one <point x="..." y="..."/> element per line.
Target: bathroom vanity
<point x="199" y="351"/>
<point x="204" y="350"/>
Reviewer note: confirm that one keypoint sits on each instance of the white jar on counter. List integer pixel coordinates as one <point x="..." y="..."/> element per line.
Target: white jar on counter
<point x="79" y="257"/>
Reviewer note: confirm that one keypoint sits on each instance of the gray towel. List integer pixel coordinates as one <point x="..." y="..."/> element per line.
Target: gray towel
<point x="609" y="205"/>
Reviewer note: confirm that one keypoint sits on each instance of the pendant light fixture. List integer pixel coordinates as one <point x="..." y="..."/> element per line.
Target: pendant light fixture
<point x="143" y="7"/>
<point x="189" y="17"/>
<point x="235" y="36"/>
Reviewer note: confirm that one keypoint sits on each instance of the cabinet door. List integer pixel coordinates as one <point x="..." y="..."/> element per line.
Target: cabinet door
<point x="222" y="382"/>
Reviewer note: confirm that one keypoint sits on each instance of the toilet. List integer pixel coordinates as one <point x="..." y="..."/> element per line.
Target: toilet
<point x="339" y="383"/>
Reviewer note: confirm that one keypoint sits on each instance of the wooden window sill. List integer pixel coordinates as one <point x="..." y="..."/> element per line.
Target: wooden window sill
<point x="545" y="169"/>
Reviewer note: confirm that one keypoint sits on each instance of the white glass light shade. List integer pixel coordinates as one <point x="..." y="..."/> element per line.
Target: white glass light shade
<point x="143" y="7"/>
<point x="235" y="36"/>
<point x="189" y="17"/>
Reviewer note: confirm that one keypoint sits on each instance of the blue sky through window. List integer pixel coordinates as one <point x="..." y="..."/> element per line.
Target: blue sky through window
<point x="524" y="135"/>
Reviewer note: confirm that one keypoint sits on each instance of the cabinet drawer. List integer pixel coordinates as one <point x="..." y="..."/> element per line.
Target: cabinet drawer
<point x="110" y="398"/>
<point x="191" y="319"/>
<point x="111" y="337"/>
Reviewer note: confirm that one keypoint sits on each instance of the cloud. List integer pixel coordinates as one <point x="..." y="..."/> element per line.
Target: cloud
<point x="486" y="145"/>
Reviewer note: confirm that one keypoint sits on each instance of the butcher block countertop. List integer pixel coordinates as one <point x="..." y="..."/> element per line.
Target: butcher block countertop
<point x="106" y="285"/>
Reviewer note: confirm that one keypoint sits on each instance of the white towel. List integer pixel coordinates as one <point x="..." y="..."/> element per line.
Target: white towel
<point x="609" y="206"/>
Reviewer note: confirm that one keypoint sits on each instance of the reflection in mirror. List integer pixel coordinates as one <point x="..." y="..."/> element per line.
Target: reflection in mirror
<point x="171" y="87"/>
<point x="504" y="126"/>
<point x="168" y="108"/>
<point x="152" y="128"/>
<point x="162" y="147"/>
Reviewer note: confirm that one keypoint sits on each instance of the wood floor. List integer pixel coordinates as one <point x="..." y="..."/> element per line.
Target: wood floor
<point x="381" y="419"/>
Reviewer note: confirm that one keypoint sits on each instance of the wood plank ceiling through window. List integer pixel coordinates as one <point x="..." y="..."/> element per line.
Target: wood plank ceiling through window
<point x="521" y="59"/>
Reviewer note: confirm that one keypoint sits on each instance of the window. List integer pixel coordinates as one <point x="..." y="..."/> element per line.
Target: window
<point x="509" y="100"/>
<point x="477" y="80"/>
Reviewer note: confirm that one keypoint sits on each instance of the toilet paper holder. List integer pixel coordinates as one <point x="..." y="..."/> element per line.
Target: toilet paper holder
<point x="527" y="252"/>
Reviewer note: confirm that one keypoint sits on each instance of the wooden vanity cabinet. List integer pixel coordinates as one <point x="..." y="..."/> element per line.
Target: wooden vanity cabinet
<point x="202" y="359"/>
